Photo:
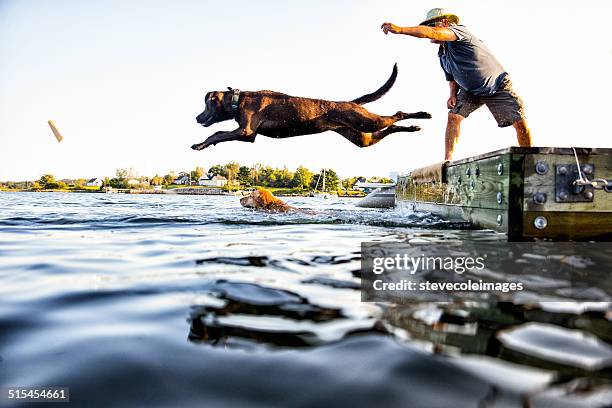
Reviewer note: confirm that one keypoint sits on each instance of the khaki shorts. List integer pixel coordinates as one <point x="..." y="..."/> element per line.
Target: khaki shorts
<point x="505" y="105"/>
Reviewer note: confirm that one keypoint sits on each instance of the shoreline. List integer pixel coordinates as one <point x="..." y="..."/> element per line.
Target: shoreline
<point x="175" y="191"/>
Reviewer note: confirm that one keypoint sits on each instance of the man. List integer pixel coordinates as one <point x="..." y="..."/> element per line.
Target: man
<point x="474" y="75"/>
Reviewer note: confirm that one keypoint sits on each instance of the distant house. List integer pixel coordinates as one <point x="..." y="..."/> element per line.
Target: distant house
<point x="184" y="179"/>
<point x="212" y="181"/>
<point x="94" y="182"/>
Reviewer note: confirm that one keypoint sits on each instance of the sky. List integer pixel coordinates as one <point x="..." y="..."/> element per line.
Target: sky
<point x="124" y="80"/>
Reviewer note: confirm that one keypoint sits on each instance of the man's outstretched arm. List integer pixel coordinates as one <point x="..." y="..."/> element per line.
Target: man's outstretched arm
<point x="433" y="33"/>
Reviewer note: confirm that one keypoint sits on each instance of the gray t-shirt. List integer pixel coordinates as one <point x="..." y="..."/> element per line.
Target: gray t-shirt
<point x="469" y="62"/>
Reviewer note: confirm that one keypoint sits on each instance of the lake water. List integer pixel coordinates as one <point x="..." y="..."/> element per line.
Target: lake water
<point x="169" y="300"/>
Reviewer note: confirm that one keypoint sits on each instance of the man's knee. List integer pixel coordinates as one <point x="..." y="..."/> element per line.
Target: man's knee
<point x="520" y="124"/>
<point x="522" y="133"/>
<point x="454" y="119"/>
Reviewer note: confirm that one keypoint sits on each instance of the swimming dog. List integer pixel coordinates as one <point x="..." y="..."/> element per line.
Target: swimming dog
<point x="262" y="199"/>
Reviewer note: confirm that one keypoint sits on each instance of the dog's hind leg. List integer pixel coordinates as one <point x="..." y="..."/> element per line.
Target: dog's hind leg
<point x="239" y="134"/>
<point x="365" y="139"/>
<point x="365" y="121"/>
<point x="395" y="129"/>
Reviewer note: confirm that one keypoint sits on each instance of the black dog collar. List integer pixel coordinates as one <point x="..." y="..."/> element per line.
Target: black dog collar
<point x="235" y="96"/>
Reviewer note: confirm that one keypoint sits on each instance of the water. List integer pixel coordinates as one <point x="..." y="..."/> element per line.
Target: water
<point x="167" y="300"/>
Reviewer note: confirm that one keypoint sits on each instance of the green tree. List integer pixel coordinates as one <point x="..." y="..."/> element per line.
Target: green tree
<point x="47" y="181"/>
<point x="231" y="170"/>
<point x="277" y="178"/>
<point x="157" y="180"/>
<point x="118" y="183"/>
<point x="302" y="178"/>
<point x="266" y="176"/>
<point x="349" y="182"/>
<point x="317" y="181"/>
<point x="197" y="173"/>
<point x="217" y="170"/>
<point x="168" y="179"/>
<point x="121" y="178"/>
<point x="331" y="180"/>
<point x="121" y="174"/>
<point x="254" y="173"/>
<point x="244" y="176"/>
<point x="286" y="177"/>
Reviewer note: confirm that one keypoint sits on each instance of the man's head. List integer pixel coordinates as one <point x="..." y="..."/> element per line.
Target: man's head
<point x="439" y="17"/>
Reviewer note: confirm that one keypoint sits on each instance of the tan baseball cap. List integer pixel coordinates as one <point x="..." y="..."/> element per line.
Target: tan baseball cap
<point x="438" y="13"/>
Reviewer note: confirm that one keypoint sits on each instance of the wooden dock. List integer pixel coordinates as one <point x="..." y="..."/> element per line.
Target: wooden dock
<point x="527" y="193"/>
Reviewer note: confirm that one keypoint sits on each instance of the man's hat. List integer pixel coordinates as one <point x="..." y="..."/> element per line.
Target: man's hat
<point x="438" y="13"/>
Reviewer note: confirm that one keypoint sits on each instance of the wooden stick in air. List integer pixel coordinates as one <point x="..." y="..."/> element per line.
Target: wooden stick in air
<point x="56" y="132"/>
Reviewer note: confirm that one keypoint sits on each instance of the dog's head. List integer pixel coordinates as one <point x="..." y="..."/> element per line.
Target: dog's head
<point x="218" y="107"/>
<point x="262" y="199"/>
<point x="251" y="200"/>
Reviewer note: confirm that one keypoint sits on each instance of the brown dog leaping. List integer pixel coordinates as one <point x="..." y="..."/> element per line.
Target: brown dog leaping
<point x="277" y="115"/>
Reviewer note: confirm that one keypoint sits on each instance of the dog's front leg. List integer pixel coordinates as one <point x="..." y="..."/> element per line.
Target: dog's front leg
<point x="239" y="134"/>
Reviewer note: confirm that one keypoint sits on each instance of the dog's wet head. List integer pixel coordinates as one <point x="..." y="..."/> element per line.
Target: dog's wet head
<point x="250" y="200"/>
<point x="217" y="108"/>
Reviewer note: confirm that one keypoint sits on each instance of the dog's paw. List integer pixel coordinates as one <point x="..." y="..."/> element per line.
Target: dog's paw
<point x="198" y="146"/>
<point x="422" y="115"/>
<point x="414" y="128"/>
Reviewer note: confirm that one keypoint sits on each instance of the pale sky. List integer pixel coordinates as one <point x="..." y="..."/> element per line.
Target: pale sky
<point x="124" y="80"/>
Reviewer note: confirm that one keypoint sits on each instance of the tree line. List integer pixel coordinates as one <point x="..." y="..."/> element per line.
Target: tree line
<point x="238" y="176"/>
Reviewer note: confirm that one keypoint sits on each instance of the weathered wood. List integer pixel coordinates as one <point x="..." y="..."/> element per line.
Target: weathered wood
<point x="569" y="225"/>
<point x="485" y="218"/>
<point x="515" y="197"/>
<point x="537" y="150"/>
<point x="545" y="183"/>
<point x="477" y="184"/>
<point x="496" y="190"/>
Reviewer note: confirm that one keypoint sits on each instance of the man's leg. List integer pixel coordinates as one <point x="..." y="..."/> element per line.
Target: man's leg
<point x="507" y="108"/>
<point x="523" y="135"/>
<point x="452" y="134"/>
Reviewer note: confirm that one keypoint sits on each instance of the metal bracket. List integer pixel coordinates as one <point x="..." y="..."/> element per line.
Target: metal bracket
<point x="565" y="189"/>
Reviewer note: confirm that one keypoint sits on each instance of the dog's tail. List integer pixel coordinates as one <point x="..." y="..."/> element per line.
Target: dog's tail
<point x="380" y="91"/>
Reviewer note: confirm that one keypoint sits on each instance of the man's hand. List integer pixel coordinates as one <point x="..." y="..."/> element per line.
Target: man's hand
<point x="454" y="89"/>
<point x="390" y="28"/>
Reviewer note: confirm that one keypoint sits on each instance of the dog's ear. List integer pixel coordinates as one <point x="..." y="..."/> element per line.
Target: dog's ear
<point x="258" y="199"/>
<point x="229" y="88"/>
